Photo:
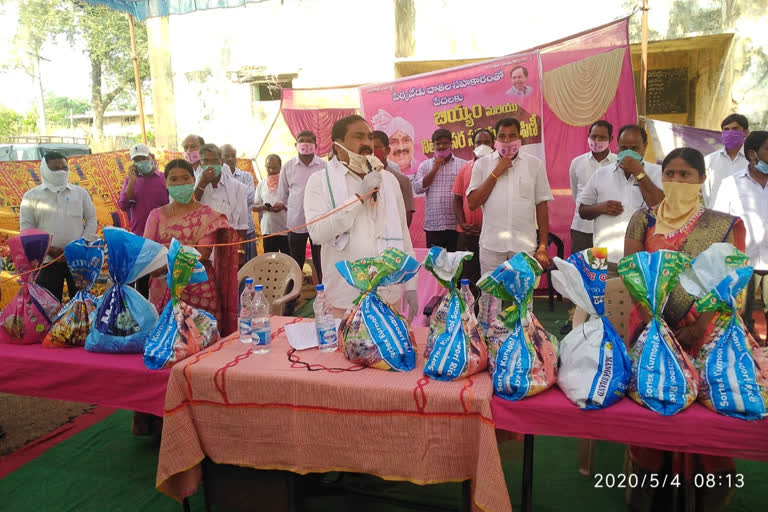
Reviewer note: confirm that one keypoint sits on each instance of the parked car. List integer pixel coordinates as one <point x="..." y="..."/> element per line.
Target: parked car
<point x="34" y="148"/>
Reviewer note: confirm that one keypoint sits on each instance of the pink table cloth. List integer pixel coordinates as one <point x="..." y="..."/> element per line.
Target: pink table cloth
<point x="112" y="380"/>
<point x="266" y="411"/>
<point x="694" y="430"/>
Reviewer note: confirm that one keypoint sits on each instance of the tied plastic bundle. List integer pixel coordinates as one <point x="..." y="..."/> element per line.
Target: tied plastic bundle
<point x="522" y="354"/>
<point x="182" y="329"/>
<point x="123" y="318"/>
<point x="664" y="378"/>
<point x="71" y="327"/>
<point x="371" y="333"/>
<point x="456" y="346"/>
<point x="28" y="316"/>
<point x="733" y="368"/>
<point x="594" y="364"/>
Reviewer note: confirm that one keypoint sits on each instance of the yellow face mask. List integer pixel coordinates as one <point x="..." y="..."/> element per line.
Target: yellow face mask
<point x="681" y="202"/>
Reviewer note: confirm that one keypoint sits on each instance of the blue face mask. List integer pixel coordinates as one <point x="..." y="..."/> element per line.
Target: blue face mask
<point x="628" y="152"/>
<point x="762" y="167"/>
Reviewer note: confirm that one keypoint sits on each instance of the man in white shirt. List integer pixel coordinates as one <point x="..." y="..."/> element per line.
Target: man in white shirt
<point x="369" y="225"/>
<point x="273" y="215"/>
<point x="65" y="211"/>
<point x="513" y="190"/>
<point x="218" y="189"/>
<point x="293" y="181"/>
<point x="614" y="193"/>
<point x="582" y="168"/>
<point x="728" y="160"/>
<point x="191" y="145"/>
<point x="745" y="195"/>
<point x="229" y="157"/>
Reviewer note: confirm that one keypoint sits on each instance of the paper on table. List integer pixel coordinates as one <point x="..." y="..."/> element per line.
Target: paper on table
<point x="303" y="335"/>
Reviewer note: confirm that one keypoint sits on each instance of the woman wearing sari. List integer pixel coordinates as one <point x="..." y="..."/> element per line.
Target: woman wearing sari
<point x="680" y="223"/>
<point x="196" y="224"/>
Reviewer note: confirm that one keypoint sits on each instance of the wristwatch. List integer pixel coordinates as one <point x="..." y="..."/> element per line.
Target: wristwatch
<point x="640" y="176"/>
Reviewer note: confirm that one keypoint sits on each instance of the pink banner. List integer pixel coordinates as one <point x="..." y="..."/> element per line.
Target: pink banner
<point x="463" y="100"/>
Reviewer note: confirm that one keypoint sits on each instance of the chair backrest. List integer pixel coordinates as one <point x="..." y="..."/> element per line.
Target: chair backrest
<point x="279" y="274"/>
<point x="618" y="306"/>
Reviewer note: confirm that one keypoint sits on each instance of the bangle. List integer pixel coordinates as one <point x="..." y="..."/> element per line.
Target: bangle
<point x="541" y="246"/>
<point x="495" y="177"/>
<point x="640" y="176"/>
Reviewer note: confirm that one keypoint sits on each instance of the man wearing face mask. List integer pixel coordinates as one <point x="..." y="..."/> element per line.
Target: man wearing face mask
<point x="143" y="191"/>
<point x="229" y="157"/>
<point x="435" y="179"/>
<point x="192" y="144"/>
<point x="65" y="211"/>
<point x="614" y="193"/>
<point x="217" y="188"/>
<point x="290" y="190"/>
<point x="470" y="222"/>
<point x="369" y="225"/>
<point x="728" y="160"/>
<point x="381" y="150"/>
<point x="745" y="195"/>
<point x="513" y="190"/>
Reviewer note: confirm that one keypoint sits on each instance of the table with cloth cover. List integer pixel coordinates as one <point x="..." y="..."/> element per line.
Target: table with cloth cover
<point x="264" y="411"/>
<point x="121" y="381"/>
<point x="693" y="430"/>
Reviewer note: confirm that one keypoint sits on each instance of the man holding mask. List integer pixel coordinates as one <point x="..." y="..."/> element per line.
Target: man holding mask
<point x="614" y="193"/>
<point x="513" y="190"/>
<point x="435" y="179"/>
<point x="143" y="191"/>
<point x="728" y="160"/>
<point x="290" y="190"/>
<point x="65" y="211"/>
<point x="371" y="223"/>
<point x="218" y="189"/>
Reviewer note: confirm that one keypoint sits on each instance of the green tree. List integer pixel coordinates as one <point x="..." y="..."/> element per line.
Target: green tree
<point x="13" y="123"/>
<point x="104" y="36"/>
<point x="59" y="108"/>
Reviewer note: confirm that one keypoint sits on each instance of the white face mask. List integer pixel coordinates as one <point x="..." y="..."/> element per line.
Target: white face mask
<point x="482" y="150"/>
<point x="362" y="164"/>
<point x="56" y="180"/>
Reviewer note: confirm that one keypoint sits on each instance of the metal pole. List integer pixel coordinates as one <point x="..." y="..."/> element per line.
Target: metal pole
<point x="136" y="75"/>
<point x="642" y="107"/>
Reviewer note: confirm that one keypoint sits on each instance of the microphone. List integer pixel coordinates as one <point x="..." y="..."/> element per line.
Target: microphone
<point x="370" y="169"/>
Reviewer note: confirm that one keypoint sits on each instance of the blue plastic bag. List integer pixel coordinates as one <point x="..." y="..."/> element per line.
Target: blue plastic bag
<point x="72" y="325"/>
<point x="456" y="346"/>
<point x="182" y="329"/>
<point x="123" y="318"/>
<point x="733" y="368"/>
<point x="664" y="378"/>
<point x="594" y="366"/>
<point x="371" y="333"/>
<point x="522" y="355"/>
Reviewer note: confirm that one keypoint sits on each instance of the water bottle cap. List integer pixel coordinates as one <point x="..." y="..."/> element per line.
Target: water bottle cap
<point x="464" y="282"/>
<point x="258" y="287"/>
<point x="320" y="287"/>
<point x="248" y="280"/>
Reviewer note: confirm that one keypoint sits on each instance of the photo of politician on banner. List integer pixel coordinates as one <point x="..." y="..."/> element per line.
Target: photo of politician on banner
<point x="462" y="100"/>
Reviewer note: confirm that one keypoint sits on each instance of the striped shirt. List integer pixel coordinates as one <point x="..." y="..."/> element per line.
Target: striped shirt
<point x="438" y="210"/>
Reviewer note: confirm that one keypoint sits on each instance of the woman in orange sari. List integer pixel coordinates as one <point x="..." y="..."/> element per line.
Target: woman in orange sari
<point x="196" y="224"/>
<point x="680" y="223"/>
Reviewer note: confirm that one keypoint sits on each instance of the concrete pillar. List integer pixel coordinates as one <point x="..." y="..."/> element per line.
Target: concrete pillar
<point x="161" y="72"/>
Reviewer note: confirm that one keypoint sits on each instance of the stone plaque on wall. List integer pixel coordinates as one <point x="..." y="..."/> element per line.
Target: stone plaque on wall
<point x="667" y="91"/>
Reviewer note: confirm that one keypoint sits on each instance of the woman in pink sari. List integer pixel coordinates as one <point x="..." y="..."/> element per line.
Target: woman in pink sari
<point x="196" y="224"/>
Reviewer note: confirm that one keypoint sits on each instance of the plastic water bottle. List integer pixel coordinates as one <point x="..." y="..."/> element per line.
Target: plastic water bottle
<point x="489" y="307"/>
<point x="327" y="339"/>
<point x="246" y="312"/>
<point x="261" y="335"/>
<point x="466" y="294"/>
